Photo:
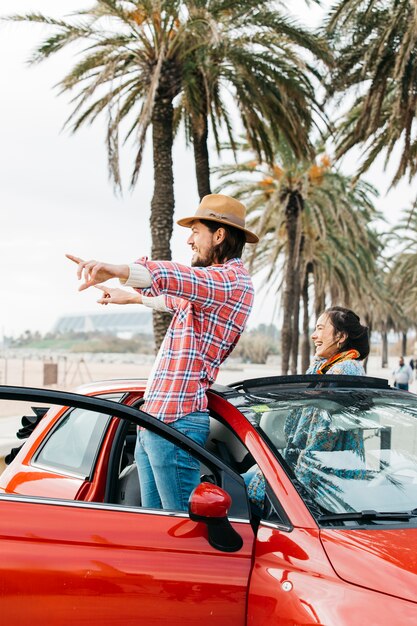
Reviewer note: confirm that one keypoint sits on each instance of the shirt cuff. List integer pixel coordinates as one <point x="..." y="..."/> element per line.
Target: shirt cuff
<point x="155" y="302"/>
<point x="139" y="276"/>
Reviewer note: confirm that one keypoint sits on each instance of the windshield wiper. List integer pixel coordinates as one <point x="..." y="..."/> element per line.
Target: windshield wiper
<point x="364" y="516"/>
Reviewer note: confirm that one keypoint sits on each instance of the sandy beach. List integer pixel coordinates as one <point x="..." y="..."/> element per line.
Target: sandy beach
<point x="75" y="371"/>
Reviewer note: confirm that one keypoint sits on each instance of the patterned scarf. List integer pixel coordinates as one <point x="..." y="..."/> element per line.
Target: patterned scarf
<point x="348" y="355"/>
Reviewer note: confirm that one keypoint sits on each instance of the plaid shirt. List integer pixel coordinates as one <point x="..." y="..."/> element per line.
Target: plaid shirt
<point x="211" y="306"/>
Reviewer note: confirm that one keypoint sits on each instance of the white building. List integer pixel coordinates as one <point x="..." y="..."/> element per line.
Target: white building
<point x="122" y="324"/>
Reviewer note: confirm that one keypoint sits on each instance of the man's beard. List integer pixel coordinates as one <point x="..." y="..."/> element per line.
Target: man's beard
<point x="209" y="259"/>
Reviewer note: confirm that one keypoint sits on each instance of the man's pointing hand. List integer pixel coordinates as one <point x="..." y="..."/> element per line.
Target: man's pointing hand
<point x="95" y="272"/>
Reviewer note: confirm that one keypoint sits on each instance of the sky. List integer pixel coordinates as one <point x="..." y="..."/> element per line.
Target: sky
<point x="56" y="197"/>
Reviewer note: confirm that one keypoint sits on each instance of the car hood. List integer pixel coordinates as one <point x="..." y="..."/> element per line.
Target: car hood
<point x="382" y="560"/>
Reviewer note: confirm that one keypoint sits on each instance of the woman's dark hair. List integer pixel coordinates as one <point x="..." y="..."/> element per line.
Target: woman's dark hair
<point x="232" y="245"/>
<point x="346" y="321"/>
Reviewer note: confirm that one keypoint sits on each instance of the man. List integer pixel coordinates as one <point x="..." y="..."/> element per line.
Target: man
<point x="211" y="302"/>
<point x="403" y="375"/>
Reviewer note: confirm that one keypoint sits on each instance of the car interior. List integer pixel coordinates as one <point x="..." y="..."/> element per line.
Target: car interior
<point x="123" y="483"/>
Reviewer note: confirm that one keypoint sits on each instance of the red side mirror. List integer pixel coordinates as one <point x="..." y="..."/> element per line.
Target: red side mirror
<point x="210" y="504"/>
<point x="208" y="500"/>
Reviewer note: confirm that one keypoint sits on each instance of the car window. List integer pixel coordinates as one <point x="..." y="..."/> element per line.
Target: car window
<point x="73" y="444"/>
<point x="345" y="451"/>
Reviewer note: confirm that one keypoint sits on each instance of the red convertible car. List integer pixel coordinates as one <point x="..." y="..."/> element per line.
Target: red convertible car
<point x="333" y="540"/>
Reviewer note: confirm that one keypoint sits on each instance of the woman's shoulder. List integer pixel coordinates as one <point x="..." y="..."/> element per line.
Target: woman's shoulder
<point x="351" y="367"/>
<point x="316" y="363"/>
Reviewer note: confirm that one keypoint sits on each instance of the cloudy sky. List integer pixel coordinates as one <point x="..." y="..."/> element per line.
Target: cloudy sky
<point x="55" y="196"/>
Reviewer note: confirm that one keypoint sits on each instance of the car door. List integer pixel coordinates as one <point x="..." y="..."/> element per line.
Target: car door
<point x="66" y="562"/>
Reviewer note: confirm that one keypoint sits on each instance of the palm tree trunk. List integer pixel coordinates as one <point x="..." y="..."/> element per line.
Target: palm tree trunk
<point x="319" y="304"/>
<point x="305" y="346"/>
<point x="384" y="360"/>
<point x="404" y="343"/>
<point x="162" y="205"/>
<point x="292" y="211"/>
<point x="369" y="323"/>
<point x="296" y="324"/>
<point x="199" y="130"/>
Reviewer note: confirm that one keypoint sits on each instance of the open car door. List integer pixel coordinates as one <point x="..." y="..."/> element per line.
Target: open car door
<point x="66" y="562"/>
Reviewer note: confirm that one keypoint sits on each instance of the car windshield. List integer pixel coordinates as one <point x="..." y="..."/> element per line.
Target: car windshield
<point x="346" y="451"/>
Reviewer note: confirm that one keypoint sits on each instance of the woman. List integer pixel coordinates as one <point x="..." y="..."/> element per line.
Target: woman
<point x="341" y="344"/>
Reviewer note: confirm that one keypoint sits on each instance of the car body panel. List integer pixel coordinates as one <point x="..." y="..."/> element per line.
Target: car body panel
<point x="116" y="566"/>
<point x="293" y="583"/>
<point x="135" y="386"/>
<point x="31" y="481"/>
<point x="382" y="560"/>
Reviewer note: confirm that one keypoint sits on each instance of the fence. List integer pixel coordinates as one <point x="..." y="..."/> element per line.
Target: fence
<point x="62" y="372"/>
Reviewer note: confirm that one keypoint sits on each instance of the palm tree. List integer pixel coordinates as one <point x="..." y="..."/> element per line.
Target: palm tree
<point x="314" y="228"/>
<point x="139" y="57"/>
<point x="375" y="43"/>
<point x="272" y="88"/>
<point x="402" y="276"/>
<point x="388" y="314"/>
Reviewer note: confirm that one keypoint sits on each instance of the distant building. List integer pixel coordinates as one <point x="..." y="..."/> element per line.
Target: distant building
<point x="123" y="324"/>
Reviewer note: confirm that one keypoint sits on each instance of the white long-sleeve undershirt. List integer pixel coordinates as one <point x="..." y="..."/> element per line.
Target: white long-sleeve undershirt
<point x="139" y="278"/>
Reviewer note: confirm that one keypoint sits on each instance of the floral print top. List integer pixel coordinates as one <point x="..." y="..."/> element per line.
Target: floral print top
<point x="345" y="368"/>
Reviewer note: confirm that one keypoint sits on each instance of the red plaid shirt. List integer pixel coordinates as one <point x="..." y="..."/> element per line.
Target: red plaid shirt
<point x="211" y="306"/>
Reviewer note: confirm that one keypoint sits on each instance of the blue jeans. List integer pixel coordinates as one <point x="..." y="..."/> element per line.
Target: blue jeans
<point x="167" y="474"/>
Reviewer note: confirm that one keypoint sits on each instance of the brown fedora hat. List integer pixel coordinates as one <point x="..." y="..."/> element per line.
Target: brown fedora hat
<point x="222" y="209"/>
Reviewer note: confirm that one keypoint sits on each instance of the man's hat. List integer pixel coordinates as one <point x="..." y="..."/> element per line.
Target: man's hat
<point x="222" y="209"/>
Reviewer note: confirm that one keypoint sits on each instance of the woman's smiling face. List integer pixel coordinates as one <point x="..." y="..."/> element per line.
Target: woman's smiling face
<point x="326" y="338"/>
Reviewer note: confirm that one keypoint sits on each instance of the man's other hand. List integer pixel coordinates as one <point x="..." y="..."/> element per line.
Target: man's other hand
<point x="118" y="296"/>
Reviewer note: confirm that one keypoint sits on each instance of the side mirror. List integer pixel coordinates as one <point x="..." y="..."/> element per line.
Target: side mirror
<point x="210" y="504"/>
